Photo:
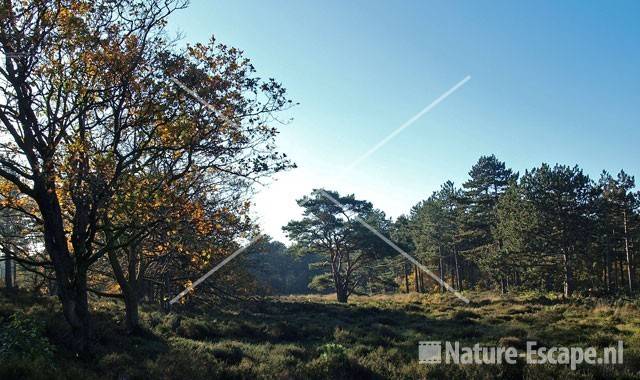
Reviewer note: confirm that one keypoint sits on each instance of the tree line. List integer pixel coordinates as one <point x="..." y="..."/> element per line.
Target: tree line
<point x="552" y="228"/>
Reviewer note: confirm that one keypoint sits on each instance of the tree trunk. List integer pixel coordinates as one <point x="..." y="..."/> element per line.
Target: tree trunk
<point x="75" y="307"/>
<point x="130" y="293"/>
<point x="440" y="264"/>
<point x="621" y="272"/>
<point x="458" y="281"/>
<point x="607" y="270"/>
<point x="549" y="283"/>
<point x="568" y="276"/>
<point x="8" y="272"/>
<point x="628" y="255"/>
<point x="71" y="284"/>
<point x="415" y="276"/>
<point x="132" y="319"/>
<point x="70" y="270"/>
<point x="166" y="304"/>
<point x="406" y="277"/>
<point x="341" y="293"/>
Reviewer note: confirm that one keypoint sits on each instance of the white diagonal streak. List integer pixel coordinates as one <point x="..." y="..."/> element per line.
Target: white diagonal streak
<point x="193" y="94"/>
<point x="406" y="124"/>
<point x="396" y="248"/>
<point x="356" y="162"/>
<point x="214" y="269"/>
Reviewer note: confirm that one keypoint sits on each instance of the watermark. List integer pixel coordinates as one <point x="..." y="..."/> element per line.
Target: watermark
<point x="454" y="353"/>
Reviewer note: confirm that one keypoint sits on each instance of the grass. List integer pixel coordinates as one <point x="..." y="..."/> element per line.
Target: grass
<point x="314" y="337"/>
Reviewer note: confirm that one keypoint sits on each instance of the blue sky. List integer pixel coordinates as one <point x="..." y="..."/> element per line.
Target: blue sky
<point x="551" y="82"/>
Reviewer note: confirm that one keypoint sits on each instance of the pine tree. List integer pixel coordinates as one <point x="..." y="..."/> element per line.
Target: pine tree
<point x="616" y="216"/>
<point x="563" y="199"/>
<point x="489" y="178"/>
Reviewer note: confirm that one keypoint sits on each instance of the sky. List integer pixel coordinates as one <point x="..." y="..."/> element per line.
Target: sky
<point x="555" y="82"/>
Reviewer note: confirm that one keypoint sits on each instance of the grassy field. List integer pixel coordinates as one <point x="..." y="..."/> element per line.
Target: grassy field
<point x="314" y="337"/>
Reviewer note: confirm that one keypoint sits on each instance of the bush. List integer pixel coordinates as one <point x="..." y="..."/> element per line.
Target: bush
<point x="22" y="337"/>
<point x="16" y="368"/>
<point x="511" y="341"/>
<point x="342" y="335"/>
<point x="180" y="364"/>
<point x="464" y="316"/>
<point x="283" y="331"/>
<point x="121" y="365"/>
<point x="602" y="339"/>
<point x="333" y="363"/>
<point x="332" y="350"/>
<point x="193" y="328"/>
<point x="227" y="353"/>
<point x="168" y="324"/>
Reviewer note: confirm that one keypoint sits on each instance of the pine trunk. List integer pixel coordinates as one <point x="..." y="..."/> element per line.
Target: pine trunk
<point x="406" y="277"/>
<point x="628" y="254"/>
<point x="440" y="264"/>
<point x="458" y="280"/>
<point x="568" y="276"/>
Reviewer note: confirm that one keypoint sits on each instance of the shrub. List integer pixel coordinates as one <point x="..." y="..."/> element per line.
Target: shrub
<point x="333" y="363"/>
<point x="121" y="365"/>
<point x="511" y="341"/>
<point x="169" y="323"/>
<point x="22" y="337"/>
<point x="193" y="328"/>
<point x="227" y="353"/>
<point x="385" y="362"/>
<point x="332" y="350"/>
<point x="464" y="315"/>
<point x="516" y="332"/>
<point x="602" y="339"/>
<point x="342" y="335"/>
<point x="182" y="364"/>
<point x="283" y="331"/>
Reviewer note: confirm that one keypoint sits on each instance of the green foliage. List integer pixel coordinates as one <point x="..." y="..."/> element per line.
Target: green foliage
<point x="334" y="363"/>
<point x="322" y="283"/>
<point x="194" y="328"/>
<point x="332" y="350"/>
<point x="281" y="271"/>
<point x="22" y="337"/>
<point x="332" y="227"/>
<point x="465" y="315"/>
<point x="552" y="229"/>
<point x="435" y="226"/>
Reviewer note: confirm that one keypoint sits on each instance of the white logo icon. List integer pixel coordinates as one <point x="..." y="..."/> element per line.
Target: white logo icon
<point x="430" y="352"/>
